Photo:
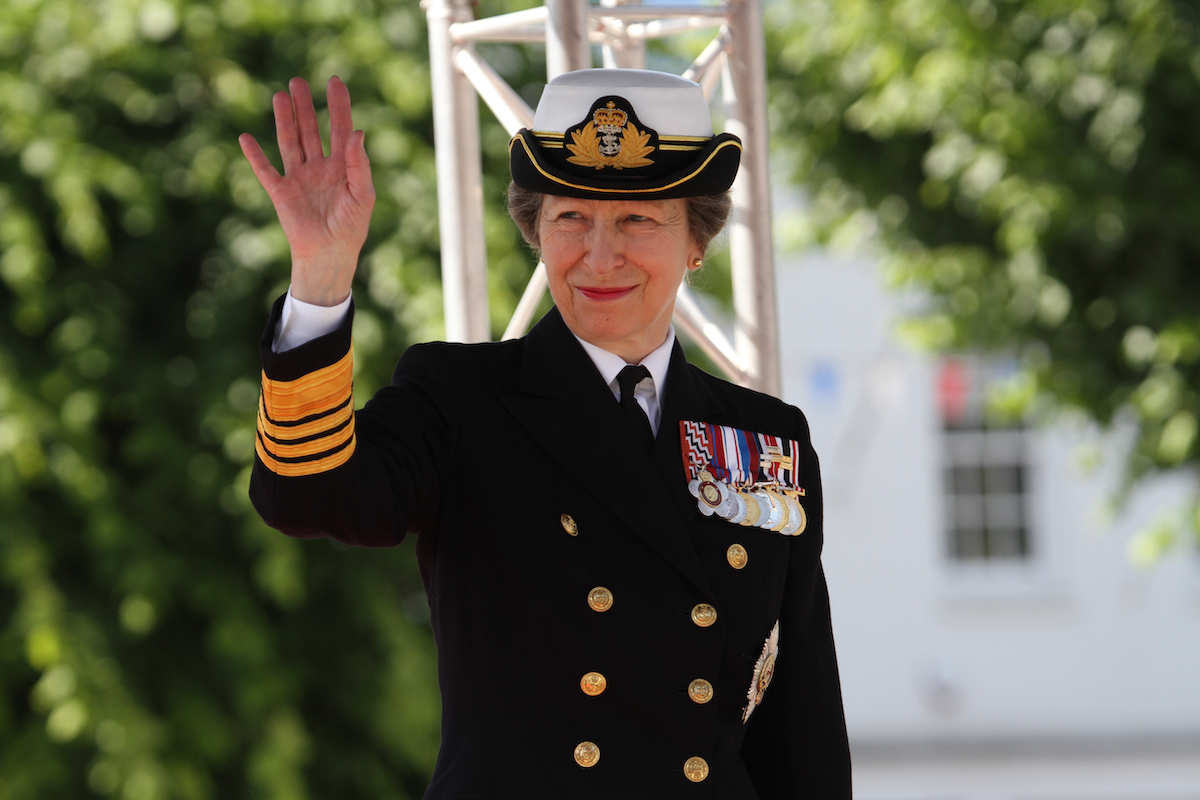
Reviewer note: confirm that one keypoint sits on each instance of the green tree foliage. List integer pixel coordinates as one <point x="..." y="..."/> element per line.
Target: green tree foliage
<point x="1034" y="169"/>
<point x="156" y="640"/>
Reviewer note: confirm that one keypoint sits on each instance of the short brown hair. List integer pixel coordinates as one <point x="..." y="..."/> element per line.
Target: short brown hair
<point x="706" y="215"/>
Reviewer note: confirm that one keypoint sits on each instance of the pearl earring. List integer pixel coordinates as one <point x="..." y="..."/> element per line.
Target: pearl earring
<point x="697" y="263"/>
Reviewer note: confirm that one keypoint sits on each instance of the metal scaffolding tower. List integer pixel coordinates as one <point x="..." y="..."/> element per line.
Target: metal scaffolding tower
<point x="569" y="28"/>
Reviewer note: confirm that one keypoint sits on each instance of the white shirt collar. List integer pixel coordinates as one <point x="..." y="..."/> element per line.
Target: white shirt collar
<point x="657" y="362"/>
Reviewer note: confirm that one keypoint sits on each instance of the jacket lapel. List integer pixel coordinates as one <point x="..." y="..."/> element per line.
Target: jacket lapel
<point x="685" y="398"/>
<point x="566" y="407"/>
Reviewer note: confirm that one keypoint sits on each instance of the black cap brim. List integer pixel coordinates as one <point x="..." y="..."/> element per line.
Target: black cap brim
<point x="707" y="169"/>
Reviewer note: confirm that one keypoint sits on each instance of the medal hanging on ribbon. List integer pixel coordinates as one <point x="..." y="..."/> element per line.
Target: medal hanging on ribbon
<point x="748" y="478"/>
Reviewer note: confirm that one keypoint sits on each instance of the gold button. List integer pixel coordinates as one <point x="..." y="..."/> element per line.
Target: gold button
<point x="601" y="599"/>
<point x="569" y="524"/>
<point x="700" y="690"/>
<point x="593" y="684"/>
<point x="736" y="554"/>
<point x="696" y="769"/>
<point x="588" y="755"/>
<point x="702" y="614"/>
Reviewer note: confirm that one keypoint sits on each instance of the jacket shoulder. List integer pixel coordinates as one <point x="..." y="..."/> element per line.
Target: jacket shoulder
<point x="750" y="408"/>
<point x="481" y="361"/>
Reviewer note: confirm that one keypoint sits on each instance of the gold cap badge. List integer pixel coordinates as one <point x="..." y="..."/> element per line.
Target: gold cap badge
<point x="609" y="139"/>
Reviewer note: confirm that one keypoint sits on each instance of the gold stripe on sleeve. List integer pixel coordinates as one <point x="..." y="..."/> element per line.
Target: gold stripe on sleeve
<point x="306" y="426"/>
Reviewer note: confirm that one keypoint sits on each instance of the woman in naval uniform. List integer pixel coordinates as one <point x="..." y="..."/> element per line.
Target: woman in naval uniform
<point x="621" y="552"/>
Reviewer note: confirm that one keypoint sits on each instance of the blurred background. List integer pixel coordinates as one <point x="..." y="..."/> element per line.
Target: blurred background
<point x="988" y="225"/>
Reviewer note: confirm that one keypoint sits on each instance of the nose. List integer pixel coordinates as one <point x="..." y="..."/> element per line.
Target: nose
<point x="605" y="249"/>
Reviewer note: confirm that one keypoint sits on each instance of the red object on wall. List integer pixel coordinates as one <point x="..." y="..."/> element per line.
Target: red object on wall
<point x="952" y="388"/>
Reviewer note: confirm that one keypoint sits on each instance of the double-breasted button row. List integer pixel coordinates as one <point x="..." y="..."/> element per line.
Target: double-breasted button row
<point x="700" y="690"/>
<point x="736" y="555"/>
<point x="593" y="684"/>
<point x="587" y="754"/>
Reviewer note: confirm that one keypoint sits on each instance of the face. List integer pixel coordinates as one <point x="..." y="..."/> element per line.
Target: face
<point x="614" y="267"/>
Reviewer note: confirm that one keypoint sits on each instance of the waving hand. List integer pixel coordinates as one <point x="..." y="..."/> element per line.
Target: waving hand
<point x="324" y="202"/>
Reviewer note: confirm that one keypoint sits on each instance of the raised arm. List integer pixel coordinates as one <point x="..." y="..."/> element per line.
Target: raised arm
<point x="324" y="202"/>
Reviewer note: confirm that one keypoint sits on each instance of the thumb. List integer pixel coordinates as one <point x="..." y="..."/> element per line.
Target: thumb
<point x="263" y="170"/>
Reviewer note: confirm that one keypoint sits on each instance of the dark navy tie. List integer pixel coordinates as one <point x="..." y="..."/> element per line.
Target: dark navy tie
<point x="627" y="379"/>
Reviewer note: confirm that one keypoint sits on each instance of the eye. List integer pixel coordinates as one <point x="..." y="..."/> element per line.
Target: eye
<point x="570" y="215"/>
<point x="638" y="218"/>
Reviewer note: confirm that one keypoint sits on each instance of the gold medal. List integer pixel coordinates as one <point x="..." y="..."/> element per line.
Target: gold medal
<point x="778" y="499"/>
<point x="796" y="519"/>
<point x="753" y="511"/>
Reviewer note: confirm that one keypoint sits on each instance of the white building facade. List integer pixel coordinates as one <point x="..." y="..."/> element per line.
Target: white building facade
<point x="996" y="640"/>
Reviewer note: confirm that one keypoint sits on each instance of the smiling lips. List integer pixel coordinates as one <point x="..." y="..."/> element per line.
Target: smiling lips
<point x="604" y="292"/>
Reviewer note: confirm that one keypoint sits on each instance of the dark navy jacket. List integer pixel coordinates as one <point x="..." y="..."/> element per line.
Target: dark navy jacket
<point x="488" y="453"/>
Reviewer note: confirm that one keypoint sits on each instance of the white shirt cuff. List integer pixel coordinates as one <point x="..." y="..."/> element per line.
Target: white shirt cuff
<point x="301" y="322"/>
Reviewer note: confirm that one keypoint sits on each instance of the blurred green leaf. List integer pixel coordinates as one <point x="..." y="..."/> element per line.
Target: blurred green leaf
<point x="156" y="640"/>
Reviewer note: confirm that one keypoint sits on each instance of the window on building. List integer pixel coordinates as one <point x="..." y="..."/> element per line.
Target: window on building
<point x="986" y="468"/>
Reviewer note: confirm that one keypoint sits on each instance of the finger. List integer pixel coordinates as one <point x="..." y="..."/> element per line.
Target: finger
<point x="285" y="131"/>
<point x="263" y="169"/>
<point x="340" y="126"/>
<point x="358" y="169"/>
<point x="306" y="119"/>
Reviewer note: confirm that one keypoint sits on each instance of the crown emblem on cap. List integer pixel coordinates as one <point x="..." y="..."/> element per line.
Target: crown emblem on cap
<point x="609" y="139"/>
<point x="610" y="119"/>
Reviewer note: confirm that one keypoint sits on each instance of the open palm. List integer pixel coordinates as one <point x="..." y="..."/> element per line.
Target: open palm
<point x="324" y="202"/>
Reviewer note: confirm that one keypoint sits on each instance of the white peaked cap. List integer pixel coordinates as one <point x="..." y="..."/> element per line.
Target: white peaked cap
<point x="668" y="103"/>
